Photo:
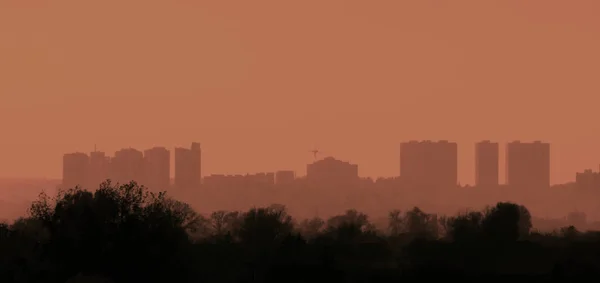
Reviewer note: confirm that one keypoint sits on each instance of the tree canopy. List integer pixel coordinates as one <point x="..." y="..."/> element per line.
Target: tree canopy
<point x="124" y="233"/>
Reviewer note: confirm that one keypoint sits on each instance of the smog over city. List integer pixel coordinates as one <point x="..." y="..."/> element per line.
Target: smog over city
<point x="215" y="123"/>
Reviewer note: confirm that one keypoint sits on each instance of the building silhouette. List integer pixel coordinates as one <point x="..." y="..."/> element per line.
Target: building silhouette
<point x="188" y="167"/>
<point x="262" y="180"/>
<point x="127" y="165"/>
<point x="75" y="170"/>
<point x="428" y="164"/>
<point x="98" y="168"/>
<point x="330" y="171"/>
<point x="157" y="168"/>
<point x="235" y="182"/>
<point x="221" y="181"/>
<point x="587" y="180"/>
<point x="486" y="164"/>
<point x="423" y="164"/>
<point x="528" y="165"/>
<point x="284" y="177"/>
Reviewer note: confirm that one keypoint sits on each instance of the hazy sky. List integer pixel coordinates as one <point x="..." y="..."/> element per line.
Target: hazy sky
<point x="260" y="83"/>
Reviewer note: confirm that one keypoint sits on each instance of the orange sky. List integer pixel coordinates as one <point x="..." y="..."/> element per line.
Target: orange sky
<point x="260" y="83"/>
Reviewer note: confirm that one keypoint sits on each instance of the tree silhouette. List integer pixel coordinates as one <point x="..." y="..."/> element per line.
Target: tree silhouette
<point x="420" y="224"/>
<point x="465" y="228"/>
<point x="506" y="222"/>
<point x="21" y="251"/>
<point x="261" y="233"/>
<point x="311" y="228"/>
<point x="569" y="233"/>
<point x="118" y="232"/>
<point x="395" y="223"/>
<point x="218" y="222"/>
<point x="123" y="233"/>
<point x="349" y="226"/>
<point x="262" y="226"/>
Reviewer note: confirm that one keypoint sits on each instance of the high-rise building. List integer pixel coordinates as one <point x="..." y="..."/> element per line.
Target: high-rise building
<point x="75" y="170"/>
<point x="188" y="171"/>
<point x="429" y="164"/>
<point x="486" y="164"/>
<point x="196" y="163"/>
<point x="98" y="170"/>
<point x="157" y="168"/>
<point x="127" y="165"/>
<point x="528" y="165"/>
<point x="587" y="180"/>
<point x="329" y="171"/>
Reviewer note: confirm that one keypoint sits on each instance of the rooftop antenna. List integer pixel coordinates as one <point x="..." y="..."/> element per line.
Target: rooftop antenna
<point x="315" y="152"/>
<point x="95" y="148"/>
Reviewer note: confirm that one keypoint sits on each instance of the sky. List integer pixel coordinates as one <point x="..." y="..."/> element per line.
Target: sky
<point x="261" y="83"/>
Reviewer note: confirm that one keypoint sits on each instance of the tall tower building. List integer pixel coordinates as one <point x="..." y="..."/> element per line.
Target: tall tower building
<point x="157" y="168"/>
<point x="188" y="171"/>
<point x="75" y="170"/>
<point x="196" y="163"/>
<point x="127" y="165"/>
<point x="429" y="164"/>
<point x="98" y="170"/>
<point x="528" y="165"/>
<point x="486" y="164"/>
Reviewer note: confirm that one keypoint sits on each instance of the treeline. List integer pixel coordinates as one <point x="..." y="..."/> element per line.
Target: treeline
<point x="123" y="233"/>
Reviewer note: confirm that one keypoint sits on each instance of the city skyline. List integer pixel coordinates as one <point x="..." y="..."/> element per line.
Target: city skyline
<point x="151" y="167"/>
<point x="421" y="163"/>
<point x="354" y="80"/>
